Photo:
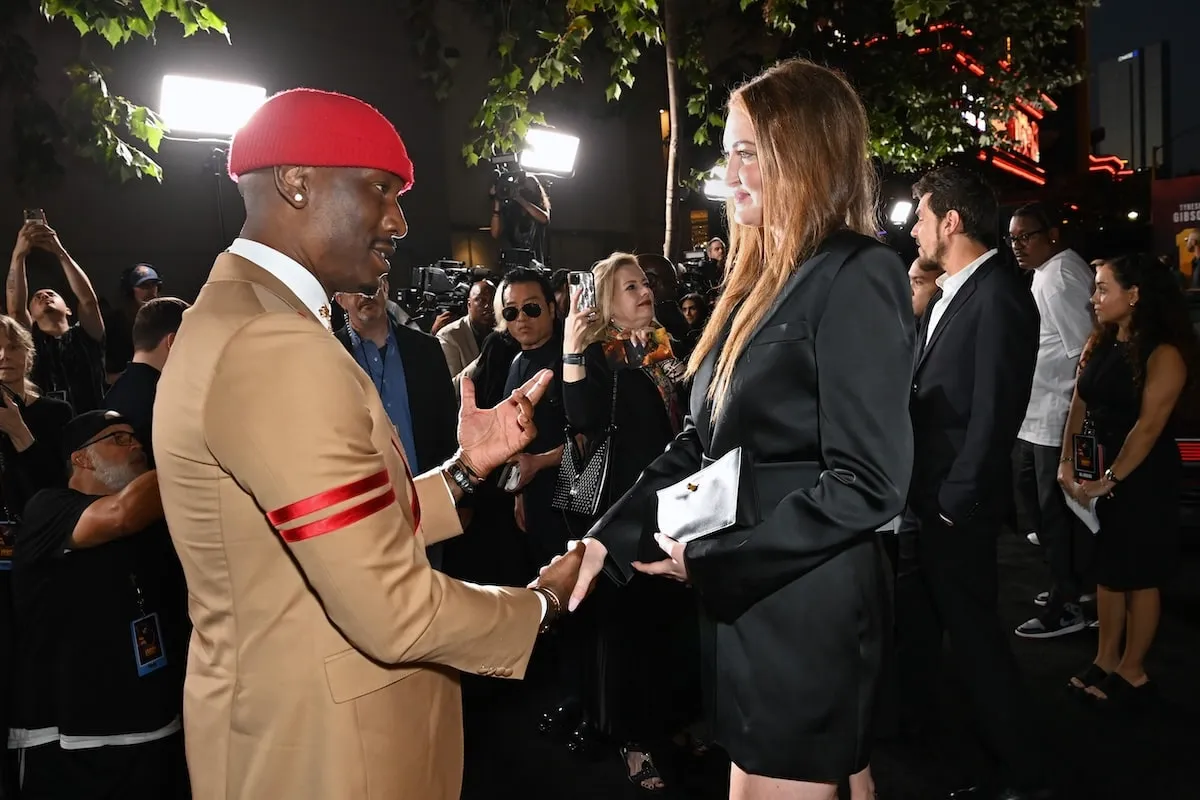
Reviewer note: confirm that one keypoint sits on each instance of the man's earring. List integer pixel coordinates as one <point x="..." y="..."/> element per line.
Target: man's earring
<point x="299" y="198"/>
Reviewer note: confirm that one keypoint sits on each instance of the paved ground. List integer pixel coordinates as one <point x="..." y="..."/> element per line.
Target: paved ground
<point x="1146" y="760"/>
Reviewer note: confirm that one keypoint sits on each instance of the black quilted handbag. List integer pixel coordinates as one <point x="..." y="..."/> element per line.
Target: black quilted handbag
<point x="581" y="478"/>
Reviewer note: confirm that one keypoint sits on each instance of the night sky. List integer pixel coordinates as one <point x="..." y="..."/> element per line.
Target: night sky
<point x="1119" y="26"/>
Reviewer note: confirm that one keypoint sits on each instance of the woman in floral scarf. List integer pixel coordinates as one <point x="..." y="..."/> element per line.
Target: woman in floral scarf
<point x="648" y="631"/>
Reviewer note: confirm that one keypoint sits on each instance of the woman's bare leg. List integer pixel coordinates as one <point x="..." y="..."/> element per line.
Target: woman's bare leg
<point x="862" y="785"/>
<point x="743" y="786"/>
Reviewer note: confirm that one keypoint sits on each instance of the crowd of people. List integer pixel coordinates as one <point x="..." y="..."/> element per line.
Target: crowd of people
<point x="246" y="558"/>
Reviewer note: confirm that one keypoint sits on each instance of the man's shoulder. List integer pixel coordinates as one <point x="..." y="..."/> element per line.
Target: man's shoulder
<point x="452" y="328"/>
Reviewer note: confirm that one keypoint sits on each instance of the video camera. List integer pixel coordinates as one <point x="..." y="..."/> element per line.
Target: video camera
<point x="507" y="176"/>
<point x="443" y="286"/>
<point x="700" y="273"/>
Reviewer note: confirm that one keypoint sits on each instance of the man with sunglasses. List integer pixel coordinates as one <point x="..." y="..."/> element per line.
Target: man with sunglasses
<point x="528" y="314"/>
<point x="1061" y="285"/>
<point x="101" y="624"/>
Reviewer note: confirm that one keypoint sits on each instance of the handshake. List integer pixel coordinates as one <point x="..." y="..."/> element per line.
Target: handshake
<point x="572" y="576"/>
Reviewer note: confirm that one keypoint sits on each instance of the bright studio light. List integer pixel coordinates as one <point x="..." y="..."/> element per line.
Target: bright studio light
<point x="549" y="151"/>
<point x="197" y="105"/>
<point x="900" y="211"/>
<point x="715" y="187"/>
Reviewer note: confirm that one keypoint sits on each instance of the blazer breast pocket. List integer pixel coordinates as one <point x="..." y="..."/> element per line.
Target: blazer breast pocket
<point x="794" y="331"/>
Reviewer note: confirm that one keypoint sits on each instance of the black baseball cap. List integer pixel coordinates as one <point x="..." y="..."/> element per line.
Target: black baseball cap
<point x="87" y="426"/>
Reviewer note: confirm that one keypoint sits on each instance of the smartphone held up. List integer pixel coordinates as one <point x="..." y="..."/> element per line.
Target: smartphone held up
<point x="585" y="281"/>
<point x="35" y="215"/>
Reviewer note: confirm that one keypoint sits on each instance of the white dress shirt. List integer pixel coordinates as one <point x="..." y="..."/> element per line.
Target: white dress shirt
<point x="295" y="277"/>
<point x="950" y="287"/>
<point x="1061" y="288"/>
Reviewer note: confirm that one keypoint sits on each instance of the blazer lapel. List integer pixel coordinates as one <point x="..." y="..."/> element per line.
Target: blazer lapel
<point x="956" y="303"/>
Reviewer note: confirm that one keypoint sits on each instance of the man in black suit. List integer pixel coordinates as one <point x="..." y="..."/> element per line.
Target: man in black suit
<point x="976" y="348"/>
<point x="410" y="373"/>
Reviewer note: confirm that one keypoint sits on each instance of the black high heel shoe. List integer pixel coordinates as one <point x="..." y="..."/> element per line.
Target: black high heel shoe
<point x="561" y="722"/>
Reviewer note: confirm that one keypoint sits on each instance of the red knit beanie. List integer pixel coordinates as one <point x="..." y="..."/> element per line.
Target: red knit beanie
<point x="311" y="128"/>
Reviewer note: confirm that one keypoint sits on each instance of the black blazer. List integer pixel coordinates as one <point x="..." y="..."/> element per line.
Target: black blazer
<point x="851" y="425"/>
<point x="431" y="397"/>
<point x="970" y="391"/>
<point x="795" y="605"/>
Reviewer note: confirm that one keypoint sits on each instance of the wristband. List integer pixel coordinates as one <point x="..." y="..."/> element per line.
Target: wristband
<point x="1108" y="476"/>
<point x="455" y="472"/>
<point x="574" y="359"/>
<point x="553" y="607"/>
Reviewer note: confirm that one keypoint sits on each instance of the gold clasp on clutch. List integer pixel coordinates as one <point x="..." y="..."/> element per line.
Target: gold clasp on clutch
<point x="691" y="487"/>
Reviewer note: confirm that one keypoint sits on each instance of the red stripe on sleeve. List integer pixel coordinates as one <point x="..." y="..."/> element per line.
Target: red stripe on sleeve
<point x="323" y="500"/>
<point x="339" y="520"/>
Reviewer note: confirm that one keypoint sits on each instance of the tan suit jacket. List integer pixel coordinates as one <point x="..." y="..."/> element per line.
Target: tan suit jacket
<point x="458" y="345"/>
<point x="324" y="656"/>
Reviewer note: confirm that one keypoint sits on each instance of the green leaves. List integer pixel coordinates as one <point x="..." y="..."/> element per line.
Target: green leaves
<point x="92" y="122"/>
<point x="97" y="121"/>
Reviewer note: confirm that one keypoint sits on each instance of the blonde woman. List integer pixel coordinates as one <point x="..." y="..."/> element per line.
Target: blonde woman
<point x="805" y="365"/>
<point x="31" y="425"/>
<point x="639" y="628"/>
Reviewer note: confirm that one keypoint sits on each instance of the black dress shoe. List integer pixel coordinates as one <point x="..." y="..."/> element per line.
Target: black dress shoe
<point x="984" y="793"/>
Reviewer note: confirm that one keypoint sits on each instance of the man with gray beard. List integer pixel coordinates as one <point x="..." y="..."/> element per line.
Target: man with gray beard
<point x="101" y="627"/>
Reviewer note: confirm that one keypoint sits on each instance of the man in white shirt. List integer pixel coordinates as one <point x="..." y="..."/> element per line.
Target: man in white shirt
<point x="1062" y="285"/>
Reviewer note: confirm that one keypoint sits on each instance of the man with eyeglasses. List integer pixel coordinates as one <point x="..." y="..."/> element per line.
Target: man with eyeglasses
<point x="101" y="623"/>
<point x="1061" y="285"/>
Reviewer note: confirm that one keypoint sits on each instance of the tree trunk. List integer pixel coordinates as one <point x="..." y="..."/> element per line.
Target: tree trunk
<point x="671" y="43"/>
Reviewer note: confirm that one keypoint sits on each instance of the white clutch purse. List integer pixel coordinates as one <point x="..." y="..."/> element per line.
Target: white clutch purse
<point x="719" y="497"/>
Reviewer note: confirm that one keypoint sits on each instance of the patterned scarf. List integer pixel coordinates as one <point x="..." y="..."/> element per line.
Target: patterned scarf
<point x="656" y="359"/>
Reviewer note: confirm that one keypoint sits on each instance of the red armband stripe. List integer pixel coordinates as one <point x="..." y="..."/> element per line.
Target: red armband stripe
<point x="339" y="520"/>
<point x="323" y="500"/>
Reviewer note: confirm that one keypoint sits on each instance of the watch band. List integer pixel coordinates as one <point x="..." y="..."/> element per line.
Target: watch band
<point x="1109" y="476"/>
<point x="455" y="472"/>
<point x="574" y="359"/>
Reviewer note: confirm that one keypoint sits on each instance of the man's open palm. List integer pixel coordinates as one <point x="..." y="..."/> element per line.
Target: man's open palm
<point x="489" y="437"/>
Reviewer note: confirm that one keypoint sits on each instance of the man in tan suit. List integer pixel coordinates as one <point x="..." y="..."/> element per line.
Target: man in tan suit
<point x="324" y="658"/>
<point x="462" y="339"/>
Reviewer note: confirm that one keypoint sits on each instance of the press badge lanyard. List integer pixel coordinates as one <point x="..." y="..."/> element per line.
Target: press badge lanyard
<point x="149" y="653"/>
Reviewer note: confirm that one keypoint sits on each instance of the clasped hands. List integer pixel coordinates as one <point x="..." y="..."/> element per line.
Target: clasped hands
<point x="591" y="553"/>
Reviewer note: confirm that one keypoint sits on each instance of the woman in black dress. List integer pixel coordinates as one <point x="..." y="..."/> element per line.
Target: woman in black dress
<point x="1131" y="379"/>
<point x="806" y="366"/>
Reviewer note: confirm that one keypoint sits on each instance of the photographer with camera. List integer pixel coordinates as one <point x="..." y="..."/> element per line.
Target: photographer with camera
<point x="520" y="213"/>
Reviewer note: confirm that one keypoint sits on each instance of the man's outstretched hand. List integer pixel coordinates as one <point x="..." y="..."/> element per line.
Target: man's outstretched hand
<point x="490" y="437"/>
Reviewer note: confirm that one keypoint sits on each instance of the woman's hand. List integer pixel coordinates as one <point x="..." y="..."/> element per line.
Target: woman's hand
<point x="577" y="322"/>
<point x="673" y="566"/>
<point x="1092" y="489"/>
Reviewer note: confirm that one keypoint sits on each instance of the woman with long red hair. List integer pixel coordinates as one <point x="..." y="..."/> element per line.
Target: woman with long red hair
<point x="804" y="366"/>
